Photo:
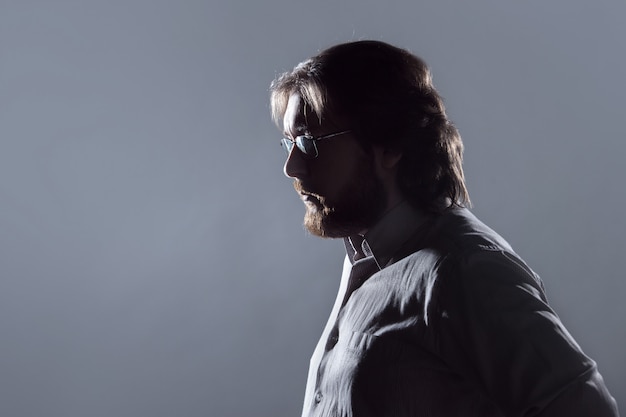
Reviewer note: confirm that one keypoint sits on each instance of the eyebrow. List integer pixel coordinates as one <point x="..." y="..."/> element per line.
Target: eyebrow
<point x="300" y="128"/>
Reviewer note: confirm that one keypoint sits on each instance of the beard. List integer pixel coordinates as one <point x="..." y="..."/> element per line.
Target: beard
<point x="355" y="209"/>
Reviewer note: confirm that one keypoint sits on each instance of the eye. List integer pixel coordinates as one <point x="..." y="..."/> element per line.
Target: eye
<point x="306" y="144"/>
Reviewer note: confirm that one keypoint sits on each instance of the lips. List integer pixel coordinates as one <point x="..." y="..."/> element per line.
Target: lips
<point x="308" y="196"/>
<point x="311" y="199"/>
<point x="303" y="191"/>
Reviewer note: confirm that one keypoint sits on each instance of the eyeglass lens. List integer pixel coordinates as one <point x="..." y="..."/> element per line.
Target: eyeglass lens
<point x="305" y="144"/>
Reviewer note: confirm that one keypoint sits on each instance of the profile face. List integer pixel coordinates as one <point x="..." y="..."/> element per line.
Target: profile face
<point x="340" y="189"/>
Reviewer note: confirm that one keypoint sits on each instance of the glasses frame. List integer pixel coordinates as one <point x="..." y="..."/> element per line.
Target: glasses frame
<point x="301" y="140"/>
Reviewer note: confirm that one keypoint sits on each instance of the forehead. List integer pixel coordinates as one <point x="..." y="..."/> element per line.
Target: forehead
<point x="299" y="118"/>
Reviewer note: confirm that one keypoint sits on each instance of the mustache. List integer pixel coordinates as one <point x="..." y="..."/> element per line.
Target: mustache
<point x="303" y="189"/>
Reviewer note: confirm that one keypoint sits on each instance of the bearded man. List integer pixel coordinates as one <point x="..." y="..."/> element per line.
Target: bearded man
<point x="436" y="315"/>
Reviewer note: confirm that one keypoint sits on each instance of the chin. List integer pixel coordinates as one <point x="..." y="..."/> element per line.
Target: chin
<point x="328" y="226"/>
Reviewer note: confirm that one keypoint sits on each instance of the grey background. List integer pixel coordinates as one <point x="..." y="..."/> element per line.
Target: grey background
<point x="152" y="257"/>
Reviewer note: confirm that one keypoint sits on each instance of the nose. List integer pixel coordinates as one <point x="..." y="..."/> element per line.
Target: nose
<point x="295" y="165"/>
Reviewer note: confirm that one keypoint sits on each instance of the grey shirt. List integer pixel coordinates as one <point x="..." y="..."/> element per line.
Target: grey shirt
<point x="438" y="317"/>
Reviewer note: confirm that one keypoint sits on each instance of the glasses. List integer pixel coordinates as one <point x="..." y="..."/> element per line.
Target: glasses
<point x="307" y="143"/>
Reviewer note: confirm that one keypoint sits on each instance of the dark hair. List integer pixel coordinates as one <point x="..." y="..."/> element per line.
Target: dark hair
<point x="387" y="95"/>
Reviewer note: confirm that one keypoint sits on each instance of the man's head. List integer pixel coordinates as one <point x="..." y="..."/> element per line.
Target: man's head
<point x="337" y="179"/>
<point x="385" y="97"/>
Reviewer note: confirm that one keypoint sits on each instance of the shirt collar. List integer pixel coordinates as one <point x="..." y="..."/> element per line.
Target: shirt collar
<point x="387" y="236"/>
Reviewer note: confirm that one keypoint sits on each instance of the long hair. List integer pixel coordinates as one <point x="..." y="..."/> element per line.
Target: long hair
<point x="388" y="97"/>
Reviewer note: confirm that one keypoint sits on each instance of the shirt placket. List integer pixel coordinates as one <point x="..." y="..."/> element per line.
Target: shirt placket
<point x="362" y="269"/>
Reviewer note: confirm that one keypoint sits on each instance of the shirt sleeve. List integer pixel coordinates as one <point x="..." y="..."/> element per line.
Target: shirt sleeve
<point x="498" y="330"/>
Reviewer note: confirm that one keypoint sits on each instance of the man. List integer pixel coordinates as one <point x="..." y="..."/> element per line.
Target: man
<point x="436" y="315"/>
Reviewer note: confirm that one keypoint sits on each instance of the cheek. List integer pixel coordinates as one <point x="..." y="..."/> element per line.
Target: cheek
<point x="338" y="168"/>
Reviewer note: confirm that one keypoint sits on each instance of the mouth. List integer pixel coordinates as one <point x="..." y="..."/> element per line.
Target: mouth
<point x="311" y="199"/>
<point x="308" y="197"/>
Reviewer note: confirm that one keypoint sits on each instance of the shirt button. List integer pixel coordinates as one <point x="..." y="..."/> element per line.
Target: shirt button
<point x="318" y="397"/>
<point x="331" y="342"/>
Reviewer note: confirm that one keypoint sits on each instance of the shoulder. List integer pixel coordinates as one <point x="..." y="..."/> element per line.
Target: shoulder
<point x="461" y="257"/>
<point x="458" y="239"/>
<point x="461" y="232"/>
<point x="479" y="262"/>
<point x="457" y="259"/>
<point x="472" y="248"/>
